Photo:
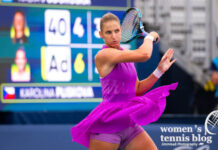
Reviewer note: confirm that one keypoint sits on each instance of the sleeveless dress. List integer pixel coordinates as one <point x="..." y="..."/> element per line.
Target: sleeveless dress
<point x="121" y="108"/>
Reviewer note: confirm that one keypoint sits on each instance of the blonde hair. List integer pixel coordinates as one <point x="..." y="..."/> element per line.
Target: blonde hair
<point x="108" y="17"/>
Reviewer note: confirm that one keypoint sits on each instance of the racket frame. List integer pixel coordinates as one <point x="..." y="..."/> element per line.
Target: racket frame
<point x="141" y="32"/>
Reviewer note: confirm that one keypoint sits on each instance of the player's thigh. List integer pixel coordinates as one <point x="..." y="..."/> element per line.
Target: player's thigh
<point x="141" y="142"/>
<point x="101" y="145"/>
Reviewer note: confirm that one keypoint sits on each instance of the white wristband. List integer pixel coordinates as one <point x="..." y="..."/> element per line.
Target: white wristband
<point x="157" y="73"/>
<point x="150" y="37"/>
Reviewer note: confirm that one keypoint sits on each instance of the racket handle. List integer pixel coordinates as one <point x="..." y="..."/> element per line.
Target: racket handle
<point x="144" y="34"/>
<point x="156" y="40"/>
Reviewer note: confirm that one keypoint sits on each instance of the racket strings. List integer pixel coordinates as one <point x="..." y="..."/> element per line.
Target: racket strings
<point x="130" y="26"/>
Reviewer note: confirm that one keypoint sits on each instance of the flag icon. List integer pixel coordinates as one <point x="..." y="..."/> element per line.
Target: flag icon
<point x="9" y="93"/>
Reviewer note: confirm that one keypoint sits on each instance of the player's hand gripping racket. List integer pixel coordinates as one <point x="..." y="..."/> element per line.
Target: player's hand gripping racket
<point x="132" y="26"/>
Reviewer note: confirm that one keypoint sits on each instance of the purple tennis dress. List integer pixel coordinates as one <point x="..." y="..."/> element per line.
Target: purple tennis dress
<point x="121" y="108"/>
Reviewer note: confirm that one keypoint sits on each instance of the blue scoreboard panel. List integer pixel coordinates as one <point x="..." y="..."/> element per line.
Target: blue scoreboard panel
<point x="47" y="53"/>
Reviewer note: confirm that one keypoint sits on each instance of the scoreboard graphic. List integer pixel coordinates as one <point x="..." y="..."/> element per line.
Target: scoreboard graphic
<point x="56" y="53"/>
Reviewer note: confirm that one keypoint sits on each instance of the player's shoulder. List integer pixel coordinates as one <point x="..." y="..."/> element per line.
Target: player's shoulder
<point x="102" y="53"/>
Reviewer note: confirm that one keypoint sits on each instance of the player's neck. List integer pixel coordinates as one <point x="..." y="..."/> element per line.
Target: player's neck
<point x="116" y="47"/>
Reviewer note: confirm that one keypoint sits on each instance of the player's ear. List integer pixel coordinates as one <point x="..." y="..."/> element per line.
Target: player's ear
<point x="100" y="33"/>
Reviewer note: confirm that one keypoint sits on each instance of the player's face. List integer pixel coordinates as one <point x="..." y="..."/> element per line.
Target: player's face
<point x="111" y="33"/>
<point x="20" y="60"/>
<point x="19" y="22"/>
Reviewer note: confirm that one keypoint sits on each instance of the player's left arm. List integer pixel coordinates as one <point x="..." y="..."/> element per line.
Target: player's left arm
<point x="165" y="63"/>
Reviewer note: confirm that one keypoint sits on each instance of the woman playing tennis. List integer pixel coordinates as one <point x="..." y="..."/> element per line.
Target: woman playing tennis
<point x="116" y="121"/>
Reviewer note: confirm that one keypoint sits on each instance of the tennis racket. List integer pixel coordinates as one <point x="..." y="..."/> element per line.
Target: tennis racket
<point x="132" y="26"/>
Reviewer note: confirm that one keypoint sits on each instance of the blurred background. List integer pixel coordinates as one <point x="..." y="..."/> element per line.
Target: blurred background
<point x="49" y="82"/>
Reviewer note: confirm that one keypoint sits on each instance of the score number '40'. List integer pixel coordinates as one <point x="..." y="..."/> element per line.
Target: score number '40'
<point x="57" y="27"/>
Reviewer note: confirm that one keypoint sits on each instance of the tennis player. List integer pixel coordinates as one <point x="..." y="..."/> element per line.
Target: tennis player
<point x="116" y="121"/>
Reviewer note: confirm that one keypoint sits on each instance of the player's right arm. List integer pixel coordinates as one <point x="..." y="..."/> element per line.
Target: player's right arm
<point x="114" y="56"/>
